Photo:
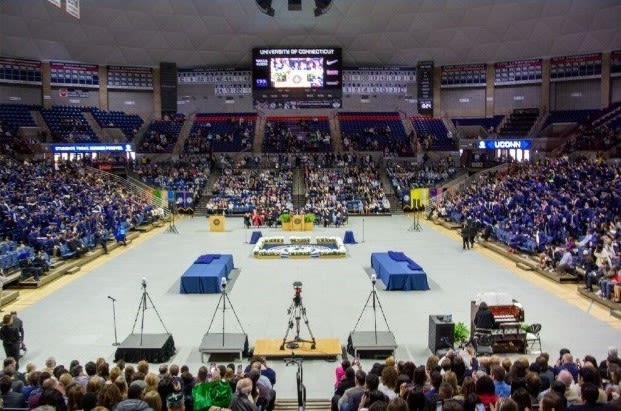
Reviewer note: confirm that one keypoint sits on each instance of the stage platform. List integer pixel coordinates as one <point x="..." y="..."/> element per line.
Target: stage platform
<point x="326" y="348"/>
<point x="232" y="343"/>
<point x="380" y="344"/>
<point x="155" y="348"/>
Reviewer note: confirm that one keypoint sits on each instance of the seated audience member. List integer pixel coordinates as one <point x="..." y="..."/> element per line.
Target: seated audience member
<point x="10" y="398"/>
<point x="350" y="400"/>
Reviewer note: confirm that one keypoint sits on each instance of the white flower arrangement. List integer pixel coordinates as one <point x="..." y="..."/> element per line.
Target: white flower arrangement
<point x="300" y="240"/>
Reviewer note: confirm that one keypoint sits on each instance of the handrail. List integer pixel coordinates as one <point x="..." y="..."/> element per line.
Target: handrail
<point x="133" y="188"/>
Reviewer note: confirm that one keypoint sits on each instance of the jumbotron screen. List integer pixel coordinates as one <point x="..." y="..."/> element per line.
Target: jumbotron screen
<point x="302" y="76"/>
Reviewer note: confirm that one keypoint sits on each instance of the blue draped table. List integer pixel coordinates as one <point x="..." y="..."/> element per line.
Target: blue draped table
<point x="206" y="274"/>
<point x="399" y="275"/>
<point x="349" y="238"/>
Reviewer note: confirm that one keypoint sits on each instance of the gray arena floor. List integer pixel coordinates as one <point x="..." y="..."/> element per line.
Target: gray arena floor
<point x="76" y="321"/>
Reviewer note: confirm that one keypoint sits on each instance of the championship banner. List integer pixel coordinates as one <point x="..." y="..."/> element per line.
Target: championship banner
<point x="74" y="74"/>
<point x="130" y="77"/>
<point x="576" y="67"/>
<point x="615" y="63"/>
<point x="73" y="8"/>
<point x="518" y="72"/>
<point x="20" y="71"/>
<point x="419" y="198"/>
<point x="55" y="3"/>
<point x="184" y="201"/>
<point x="469" y="75"/>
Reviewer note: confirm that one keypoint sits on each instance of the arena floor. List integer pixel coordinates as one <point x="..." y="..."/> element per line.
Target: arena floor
<point x="72" y="317"/>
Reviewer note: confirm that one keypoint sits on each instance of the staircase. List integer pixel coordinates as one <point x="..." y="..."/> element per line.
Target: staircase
<point x="311" y="405"/>
<point x="335" y="133"/>
<point x="183" y="135"/>
<point x="201" y="208"/>
<point x="94" y="125"/>
<point x="395" y="203"/>
<point x="259" y="133"/>
<point x="519" y="123"/>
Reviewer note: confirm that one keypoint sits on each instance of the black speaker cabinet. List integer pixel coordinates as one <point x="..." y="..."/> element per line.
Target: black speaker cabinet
<point x="441" y="327"/>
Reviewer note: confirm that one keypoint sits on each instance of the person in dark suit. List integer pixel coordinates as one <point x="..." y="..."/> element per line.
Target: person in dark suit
<point x="10" y="338"/>
<point x="484" y="317"/>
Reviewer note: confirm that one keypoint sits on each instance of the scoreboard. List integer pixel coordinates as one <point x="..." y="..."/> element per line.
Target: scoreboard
<point x="297" y="77"/>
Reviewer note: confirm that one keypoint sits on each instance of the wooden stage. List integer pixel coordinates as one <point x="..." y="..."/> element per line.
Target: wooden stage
<point x="325" y="348"/>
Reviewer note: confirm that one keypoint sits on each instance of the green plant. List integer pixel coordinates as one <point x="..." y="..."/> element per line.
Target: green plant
<point x="284" y="218"/>
<point x="309" y="218"/>
<point x="461" y="333"/>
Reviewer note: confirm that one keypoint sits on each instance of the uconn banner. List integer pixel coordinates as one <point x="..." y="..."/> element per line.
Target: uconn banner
<point x="499" y="144"/>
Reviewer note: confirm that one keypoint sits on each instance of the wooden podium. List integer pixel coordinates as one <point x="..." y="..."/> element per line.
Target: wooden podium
<point x="297" y="223"/>
<point x="217" y="223"/>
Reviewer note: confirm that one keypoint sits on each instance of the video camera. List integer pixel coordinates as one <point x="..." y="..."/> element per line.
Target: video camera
<point x="297" y="298"/>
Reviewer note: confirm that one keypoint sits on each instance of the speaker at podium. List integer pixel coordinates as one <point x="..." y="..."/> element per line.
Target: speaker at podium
<point x="217" y="223"/>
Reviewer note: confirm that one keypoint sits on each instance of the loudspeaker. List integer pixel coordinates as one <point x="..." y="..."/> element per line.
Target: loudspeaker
<point x="168" y="87"/>
<point x="441" y="332"/>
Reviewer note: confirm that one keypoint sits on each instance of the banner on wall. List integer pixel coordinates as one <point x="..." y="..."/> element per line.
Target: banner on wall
<point x="419" y="198"/>
<point x="55" y="3"/>
<point x="73" y="8"/>
<point x="184" y="201"/>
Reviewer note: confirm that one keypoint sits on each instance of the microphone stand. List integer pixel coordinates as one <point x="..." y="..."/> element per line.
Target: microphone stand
<point x="116" y="341"/>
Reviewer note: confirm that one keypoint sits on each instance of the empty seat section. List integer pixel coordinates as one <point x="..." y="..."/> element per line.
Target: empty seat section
<point x="374" y="131"/>
<point x="221" y="133"/>
<point x="297" y="134"/>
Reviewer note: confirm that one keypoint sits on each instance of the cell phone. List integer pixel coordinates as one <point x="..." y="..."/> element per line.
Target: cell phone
<point x="479" y="407"/>
<point x="213" y="367"/>
<point x="240" y="369"/>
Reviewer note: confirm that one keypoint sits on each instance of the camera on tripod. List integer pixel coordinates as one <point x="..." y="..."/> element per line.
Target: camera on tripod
<point x="297" y="298"/>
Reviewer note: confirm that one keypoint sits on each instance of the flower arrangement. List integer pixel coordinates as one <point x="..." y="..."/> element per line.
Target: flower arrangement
<point x="300" y="240"/>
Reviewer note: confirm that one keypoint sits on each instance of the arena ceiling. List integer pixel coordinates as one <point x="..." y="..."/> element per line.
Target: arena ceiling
<point x="371" y="32"/>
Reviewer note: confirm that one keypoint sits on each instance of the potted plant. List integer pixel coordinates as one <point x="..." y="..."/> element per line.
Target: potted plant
<point x="285" y="221"/>
<point x="461" y="333"/>
<point x="309" y="221"/>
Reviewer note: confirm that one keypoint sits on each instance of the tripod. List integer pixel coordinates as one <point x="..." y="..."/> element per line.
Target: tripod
<point x="223" y="300"/>
<point x="172" y="229"/>
<point x="142" y="307"/>
<point x="415" y="222"/>
<point x="296" y="312"/>
<point x="375" y="303"/>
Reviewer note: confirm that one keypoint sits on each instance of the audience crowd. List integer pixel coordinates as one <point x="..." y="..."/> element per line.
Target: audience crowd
<point x="407" y="175"/>
<point x="569" y="210"/>
<point x="265" y="192"/>
<point x="162" y="134"/>
<point x="491" y="383"/>
<point x="189" y="173"/>
<point x="97" y="385"/>
<point x="600" y="139"/>
<point x="64" y="209"/>
<point x="333" y="193"/>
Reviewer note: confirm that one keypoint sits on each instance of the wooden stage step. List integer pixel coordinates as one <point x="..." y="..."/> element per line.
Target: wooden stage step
<point x="292" y="405"/>
<point x="8" y="296"/>
<point x="325" y="348"/>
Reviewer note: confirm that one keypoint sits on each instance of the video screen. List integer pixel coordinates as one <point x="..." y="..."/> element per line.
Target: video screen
<point x="297" y="77"/>
<point x="291" y="68"/>
<point x="296" y="72"/>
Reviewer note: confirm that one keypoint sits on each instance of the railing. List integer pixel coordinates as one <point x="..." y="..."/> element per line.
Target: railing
<point x="145" y="194"/>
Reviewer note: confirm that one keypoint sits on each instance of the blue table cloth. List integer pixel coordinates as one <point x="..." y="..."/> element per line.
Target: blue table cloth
<point x="399" y="273"/>
<point x="255" y="237"/>
<point x="349" y="238"/>
<point x="206" y="274"/>
<point x="227" y="259"/>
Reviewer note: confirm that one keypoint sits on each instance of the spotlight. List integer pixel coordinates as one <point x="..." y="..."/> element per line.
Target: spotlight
<point x="322" y="7"/>
<point x="266" y="7"/>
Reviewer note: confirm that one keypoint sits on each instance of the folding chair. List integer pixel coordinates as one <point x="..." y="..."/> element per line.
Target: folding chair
<point x="533" y="336"/>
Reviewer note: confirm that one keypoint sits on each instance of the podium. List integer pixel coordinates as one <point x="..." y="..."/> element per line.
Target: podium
<point x="217" y="223"/>
<point x="297" y="222"/>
